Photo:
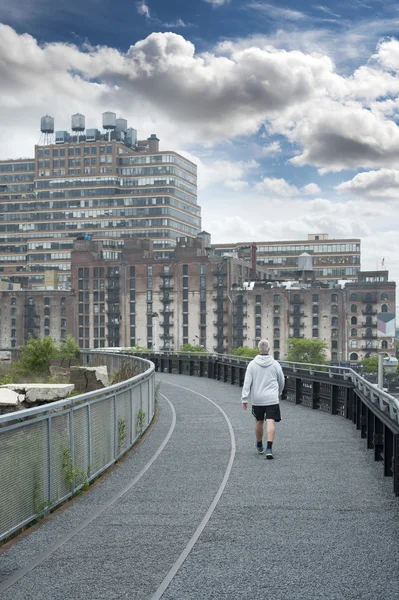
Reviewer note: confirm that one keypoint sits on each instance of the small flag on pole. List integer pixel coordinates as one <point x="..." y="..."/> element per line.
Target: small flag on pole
<point x="383" y="262"/>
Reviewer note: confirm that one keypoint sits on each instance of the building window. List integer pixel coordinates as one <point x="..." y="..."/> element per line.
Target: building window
<point x="276" y="333"/>
<point x="334" y="356"/>
<point x="315" y="333"/>
<point x="276" y="344"/>
<point x="334" y="333"/>
<point x="353" y="356"/>
<point x="353" y="344"/>
<point x="276" y="298"/>
<point x="368" y="298"/>
<point x="353" y="308"/>
<point x="384" y="297"/>
<point x="315" y="309"/>
<point x="315" y="321"/>
<point x="384" y="344"/>
<point x="334" y="321"/>
<point x="334" y="344"/>
<point x="185" y="269"/>
<point x="334" y="298"/>
<point x="276" y="355"/>
<point x="334" y="309"/>
<point x="369" y="308"/>
<point x="354" y="332"/>
<point x="276" y="309"/>
<point x="276" y="320"/>
<point x="13" y="301"/>
<point x="258" y="320"/>
<point x="258" y="310"/>
<point x="353" y="297"/>
<point x="149" y="271"/>
<point x="315" y="297"/>
<point x="354" y="321"/>
<point x="258" y="299"/>
<point x="384" y="308"/>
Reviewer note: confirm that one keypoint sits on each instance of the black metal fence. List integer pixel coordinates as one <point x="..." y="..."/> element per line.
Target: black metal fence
<point x="335" y="390"/>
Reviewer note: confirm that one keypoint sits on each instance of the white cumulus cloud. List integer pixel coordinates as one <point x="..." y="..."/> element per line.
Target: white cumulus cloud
<point x="280" y="187"/>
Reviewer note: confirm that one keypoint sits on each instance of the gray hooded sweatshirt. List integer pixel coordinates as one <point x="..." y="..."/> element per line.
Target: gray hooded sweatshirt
<point x="264" y="380"/>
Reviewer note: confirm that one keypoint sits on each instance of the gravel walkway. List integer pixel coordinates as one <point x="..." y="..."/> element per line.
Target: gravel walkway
<point x="318" y="522"/>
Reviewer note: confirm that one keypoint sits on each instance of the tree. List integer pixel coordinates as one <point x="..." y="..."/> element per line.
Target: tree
<point x="370" y="365"/>
<point x="191" y="348"/>
<point x="69" y="348"/>
<point x="34" y="358"/>
<point x="245" y="352"/>
<point x="307" y="351"/>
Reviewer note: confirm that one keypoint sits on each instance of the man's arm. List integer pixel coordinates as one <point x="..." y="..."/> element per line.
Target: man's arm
<point x="246" y="389"/>
<point x="280" y="378"/>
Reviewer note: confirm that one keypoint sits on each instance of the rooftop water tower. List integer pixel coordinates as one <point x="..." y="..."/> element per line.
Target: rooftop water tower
<point x="47" y="129"/>
<point x="109" y="122"/>
<point x="78" y="124"/>
<point x="121" y="129"/>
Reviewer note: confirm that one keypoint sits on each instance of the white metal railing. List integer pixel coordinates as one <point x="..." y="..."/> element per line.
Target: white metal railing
<point x="49" y="452"/>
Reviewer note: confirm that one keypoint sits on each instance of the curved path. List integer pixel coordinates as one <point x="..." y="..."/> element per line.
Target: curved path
<point x="195" y="513"/>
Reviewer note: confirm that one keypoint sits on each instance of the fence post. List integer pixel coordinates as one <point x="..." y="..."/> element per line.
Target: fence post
<point x="72" y="449"/>
<point x="131" y="417"/>
<point x="50" y="464"/>
<point x="115" y="427"/>
<point x="90" y="458"/>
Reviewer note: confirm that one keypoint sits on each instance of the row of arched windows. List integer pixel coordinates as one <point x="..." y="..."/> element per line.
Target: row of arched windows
<point x="369" y="308"/>
<point x="369" y="297"/>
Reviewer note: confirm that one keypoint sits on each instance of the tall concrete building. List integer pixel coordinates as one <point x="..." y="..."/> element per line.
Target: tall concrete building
<point x="333" y="259"/>
<point x="90" y="182"/>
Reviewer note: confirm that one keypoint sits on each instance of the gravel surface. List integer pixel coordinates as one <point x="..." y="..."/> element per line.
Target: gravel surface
<point x="319" y="521"/>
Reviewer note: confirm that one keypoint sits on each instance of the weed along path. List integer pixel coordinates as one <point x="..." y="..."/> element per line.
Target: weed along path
<point x="195" y="513"/>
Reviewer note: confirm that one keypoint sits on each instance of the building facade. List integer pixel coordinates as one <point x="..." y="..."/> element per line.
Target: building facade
<point x="135" y="298"/>
<point x="105" y="184"/>
<point x="333" y="260"/>
<point x="35" y="312"/>
<point x="371" y="310"/>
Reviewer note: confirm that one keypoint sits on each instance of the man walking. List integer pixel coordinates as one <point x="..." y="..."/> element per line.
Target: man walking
<point x="264" y="380"/>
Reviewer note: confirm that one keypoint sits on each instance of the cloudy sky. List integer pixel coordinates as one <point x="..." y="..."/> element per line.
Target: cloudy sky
<point x="290" y="109"/>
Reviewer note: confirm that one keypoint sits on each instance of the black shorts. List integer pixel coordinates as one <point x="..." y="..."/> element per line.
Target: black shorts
<point x="272" y="411"/>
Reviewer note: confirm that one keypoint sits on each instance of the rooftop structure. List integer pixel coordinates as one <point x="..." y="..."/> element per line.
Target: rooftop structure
<point x="104" y="182"/>
<point x="333" y="259"/>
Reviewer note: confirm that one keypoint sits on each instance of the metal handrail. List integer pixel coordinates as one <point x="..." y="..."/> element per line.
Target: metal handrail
<point x="70" y="452"/>
<point x="79" y="399"/>
<point x="379" y="398"/>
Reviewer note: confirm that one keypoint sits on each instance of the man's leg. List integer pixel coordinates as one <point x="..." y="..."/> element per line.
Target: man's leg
<point x="270" y="429"/>
<point x="259" y="431"/>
